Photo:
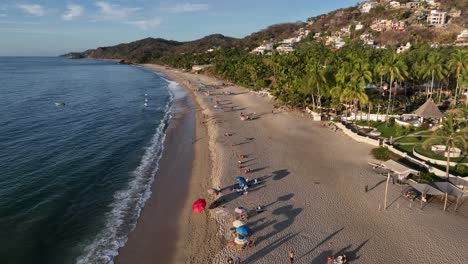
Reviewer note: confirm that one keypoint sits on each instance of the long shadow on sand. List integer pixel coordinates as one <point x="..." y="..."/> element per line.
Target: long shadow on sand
<point x="269" y="248"/>
<point x="322" y="242"/>
<point x="352" y="255"/>
<point x="287" y="211"/>
<point x="280" y="174"/>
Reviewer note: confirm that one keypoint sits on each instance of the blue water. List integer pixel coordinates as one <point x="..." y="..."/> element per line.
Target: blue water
<point x="73" y="178"/>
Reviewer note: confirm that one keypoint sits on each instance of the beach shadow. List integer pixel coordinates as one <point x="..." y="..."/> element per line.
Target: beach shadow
<point x="289" y="212"/>
<point x="376" y="185"/>
<point x="351" y="255"/>
<point x="322" y="242"/>
<point x="258" y="169"/>
<point x="321" y="259"/>
<point x="279" y="174"/>
<point x="261" y="253"/>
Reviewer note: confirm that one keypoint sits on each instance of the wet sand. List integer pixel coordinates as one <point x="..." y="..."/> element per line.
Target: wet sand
<point x="166" y="221"/>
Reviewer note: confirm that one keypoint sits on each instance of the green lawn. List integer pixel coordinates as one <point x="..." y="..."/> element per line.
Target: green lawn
<point x="461" y="170"/>
<point x="411" y="140"/>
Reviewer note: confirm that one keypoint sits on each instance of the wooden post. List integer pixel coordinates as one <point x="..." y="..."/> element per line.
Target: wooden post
<point x="386" y="191"/>
<point x="456" y="205"/>
<point x="445" y="204"/>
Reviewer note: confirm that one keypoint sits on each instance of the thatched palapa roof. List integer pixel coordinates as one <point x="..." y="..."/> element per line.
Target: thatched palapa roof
<point x="429" y="110"/>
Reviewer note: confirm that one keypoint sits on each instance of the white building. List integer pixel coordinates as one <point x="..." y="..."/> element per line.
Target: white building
<point x="403" y="48"/>
<point x="366" y="7"/>
<point x="394" y="4"/>
<point x="436" y="18"/>
<point x="262" y="48"/>
<point x="359" y="26"/>
<point x="462" y="39"/>
<point x="284" y="48"/>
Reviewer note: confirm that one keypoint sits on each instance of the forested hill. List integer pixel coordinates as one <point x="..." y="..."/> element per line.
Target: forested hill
<point x="387" y="24"/>
<point x="153" y="49"/>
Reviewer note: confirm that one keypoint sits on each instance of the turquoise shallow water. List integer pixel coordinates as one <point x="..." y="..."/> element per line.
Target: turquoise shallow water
<point x="73" y="178"/>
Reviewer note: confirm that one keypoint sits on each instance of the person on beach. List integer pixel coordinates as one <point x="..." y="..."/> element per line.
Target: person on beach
<point x="291" y="256"/>
<point x="238" y="260"/>
<point x="230" y="261"/>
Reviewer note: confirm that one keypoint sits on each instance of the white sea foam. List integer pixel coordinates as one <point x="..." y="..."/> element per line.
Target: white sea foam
<point x="128" y="203"/>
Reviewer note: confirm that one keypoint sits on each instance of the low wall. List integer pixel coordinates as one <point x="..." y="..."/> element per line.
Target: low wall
<point x="372" y="117"/>
<point x="357" y="137"/>
<point x="405" y="155"/>
<point x="434" y="161"/>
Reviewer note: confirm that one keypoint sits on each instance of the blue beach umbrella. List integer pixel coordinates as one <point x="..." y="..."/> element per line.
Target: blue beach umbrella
<point x="241" y="180"/>
<point x="244" y="230"/>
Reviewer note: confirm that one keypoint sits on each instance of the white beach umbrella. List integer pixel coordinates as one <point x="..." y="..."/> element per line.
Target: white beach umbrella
<point x="239" y="210"/>
<point x="237" y="223"/>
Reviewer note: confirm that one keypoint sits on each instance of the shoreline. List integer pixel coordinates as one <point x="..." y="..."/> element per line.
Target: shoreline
<point x="144" y="242"/>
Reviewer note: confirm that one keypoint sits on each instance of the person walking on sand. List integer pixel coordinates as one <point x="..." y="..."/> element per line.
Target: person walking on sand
<point x="291" y="256"/>
<point x="238" y="260"/>
<point x="230" y="261"/>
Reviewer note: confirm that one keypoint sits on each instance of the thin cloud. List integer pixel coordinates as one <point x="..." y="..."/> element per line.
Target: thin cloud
<point x="3" y="15"/>
<point x="188" y="8"/>
<point x="146" y="24"/>
<point x="34" y="9"/>
<point x="109" y="11"/>
<point x="72" y="12"/>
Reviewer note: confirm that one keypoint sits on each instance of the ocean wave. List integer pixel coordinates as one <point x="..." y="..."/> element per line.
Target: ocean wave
<point x="127" y="204"/>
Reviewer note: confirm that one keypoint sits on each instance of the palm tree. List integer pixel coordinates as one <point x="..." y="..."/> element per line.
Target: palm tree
<point x="397" y="69"/>
<point x="451" y="134"/>
<point x="458" y="63"/>
<point x="315" y="81"/>
<point x="433" y="68"/>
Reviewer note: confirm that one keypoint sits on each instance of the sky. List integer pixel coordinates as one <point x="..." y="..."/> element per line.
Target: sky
<point x="54" y="27"/>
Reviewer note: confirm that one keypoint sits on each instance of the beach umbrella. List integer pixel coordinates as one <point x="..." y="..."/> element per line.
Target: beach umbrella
<point x="239" y="210"/>
<point x="237" y="223"/>
<point x="240" y="240"/>
<point x="241" y="180"/>
<point x="244" y="230"/>
<point x="199" y="205"/>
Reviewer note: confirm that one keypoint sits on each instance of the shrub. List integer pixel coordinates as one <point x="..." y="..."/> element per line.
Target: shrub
<point x="391" y="121"/>
<point x="381" y="153"/>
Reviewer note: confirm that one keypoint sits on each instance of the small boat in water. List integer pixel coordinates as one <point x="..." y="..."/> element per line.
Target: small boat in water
<point x="145" y="104"/>
<point x="59" y="104"/>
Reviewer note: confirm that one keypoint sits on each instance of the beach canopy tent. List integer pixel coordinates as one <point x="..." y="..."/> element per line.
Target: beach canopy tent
<point x="199" y="205"/>
<point x="244" y="230"/>
<point x="242" y="181"/>
<point x="429" y="110"/>
<point x="399" y="169"/>
<point x="439" y="189"/>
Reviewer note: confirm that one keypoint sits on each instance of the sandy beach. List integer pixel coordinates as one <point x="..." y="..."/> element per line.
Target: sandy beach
<point x="312" y="191"/>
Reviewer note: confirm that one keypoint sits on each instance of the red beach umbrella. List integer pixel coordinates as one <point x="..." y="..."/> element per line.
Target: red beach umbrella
<point x="199" y="205"/>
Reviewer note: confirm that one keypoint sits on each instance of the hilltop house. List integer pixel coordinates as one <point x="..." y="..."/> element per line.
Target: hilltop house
<point x="262" y="48"/>
<point x="284" y="48"/>
<point x="436" y="18"/>
<point x="394" y="4"/>
<point x="385" y="24"/>
<point x="414" y="4"/>
<point x="381" y="25"/>
<point x="403" y="48"/>
<point x="462" y="39"/>
<point x="359" y="26"/>
<point x="366" y="7"/>
<point x="346" y="31"/>
<point x="399" y="26"/>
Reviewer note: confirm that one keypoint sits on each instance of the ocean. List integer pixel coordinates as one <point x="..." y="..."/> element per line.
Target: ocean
<point x="74" y="178"/>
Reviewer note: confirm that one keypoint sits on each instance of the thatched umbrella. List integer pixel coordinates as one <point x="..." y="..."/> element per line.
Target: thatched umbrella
<point x="429" y="110"/>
